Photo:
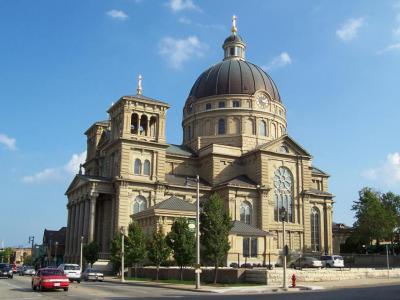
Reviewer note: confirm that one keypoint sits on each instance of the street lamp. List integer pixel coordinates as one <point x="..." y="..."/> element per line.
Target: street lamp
<point x="123" y="254"/>
<point x="197" y="269"/>
<point x="81" y="256"/>
<point x="283" y="215"/>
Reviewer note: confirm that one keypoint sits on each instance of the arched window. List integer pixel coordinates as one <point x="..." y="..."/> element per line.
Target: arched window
<point x="134" y="123"/>
<point x="236" y="103"/>
<point x="262" y="128"/>
<point x="245" y="212"/>
<point x="143" y="125"/>
<point x="138" y="167"/>
<point x="273" y="130"/>
<point x="139" y="204"/>
<point x="315" y="233"/>
<point x="146" y="167"/>
<point x="153" y="126"/>
<point x="283" y="184"/>
<point x="221" y="126"/>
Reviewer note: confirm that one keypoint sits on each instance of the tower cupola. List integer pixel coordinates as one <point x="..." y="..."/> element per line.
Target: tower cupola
<point x="234" y="46"/>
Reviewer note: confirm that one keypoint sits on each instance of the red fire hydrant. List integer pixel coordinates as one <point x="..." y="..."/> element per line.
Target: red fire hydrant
<point x="293" y="280"/>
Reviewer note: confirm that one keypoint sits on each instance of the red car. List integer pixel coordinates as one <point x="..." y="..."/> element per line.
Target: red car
<point x="49" y="279"/>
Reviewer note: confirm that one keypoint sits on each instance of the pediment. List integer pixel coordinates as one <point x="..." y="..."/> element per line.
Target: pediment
<point x="76" y="182"/>
<point x="285" y="145"/>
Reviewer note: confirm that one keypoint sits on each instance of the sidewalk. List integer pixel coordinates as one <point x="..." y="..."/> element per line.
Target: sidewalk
<point x="209" y="288"/>
<point x="352" y="283"/>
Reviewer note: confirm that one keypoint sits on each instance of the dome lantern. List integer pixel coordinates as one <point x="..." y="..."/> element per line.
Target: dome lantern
<point x="234" y="46"/>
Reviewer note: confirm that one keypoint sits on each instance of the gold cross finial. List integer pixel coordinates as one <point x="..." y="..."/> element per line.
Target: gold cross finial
<point x="234" y="28"/>
<point x="139" y="85"/>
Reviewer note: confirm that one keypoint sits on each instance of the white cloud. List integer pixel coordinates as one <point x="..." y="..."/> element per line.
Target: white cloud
<point x="388" y="173"/>
<point x="392" y="47"/>
<point x="8" y="142"/>
<point x="179" y="51"/>
<point x="187" y="21"/>
<point x="117" y="14"/>
<point x="179" y="5"/>
<point x="279" y="61"/>
<point x="51" y="174"/>
<point x="349" y="29"/>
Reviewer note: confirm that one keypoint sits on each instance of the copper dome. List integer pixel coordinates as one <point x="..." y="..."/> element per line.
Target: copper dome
<point x="233" y="76"/>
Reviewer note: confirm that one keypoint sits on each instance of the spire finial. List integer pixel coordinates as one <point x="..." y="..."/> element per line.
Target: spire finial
<point x="139" y="85"/>
<point x="234" y="28"/>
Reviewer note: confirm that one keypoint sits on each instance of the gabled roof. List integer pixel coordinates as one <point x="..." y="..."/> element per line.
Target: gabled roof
<point x="179" y="150"/>
<point x="175" y="203"/>
<point x="244" y="229"/>
<point x="241" y="181"/>
<point x="81" y="179"/>
<point x="287" y="140"/>
<point x="318" y="171"/>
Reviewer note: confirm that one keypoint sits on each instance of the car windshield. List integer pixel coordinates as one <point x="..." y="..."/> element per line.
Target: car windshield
<point x="93" y="271"/>
<point x="51" y="272"/>
<point x="71" y="267"/>
<point x="338" y="257"/>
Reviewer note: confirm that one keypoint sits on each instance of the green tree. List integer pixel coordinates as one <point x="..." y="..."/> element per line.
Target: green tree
<point x="215" y="225"/>
<point x="182" y="242"/>
<point x="115" y="251"/>
<point x="6" y="255"/>
<point x="135" y="245"/>
<point x="391" y="203"/>
<point x="374" y="221"/>
<point x="158" y="250"/>
<point x="91" y="252"/>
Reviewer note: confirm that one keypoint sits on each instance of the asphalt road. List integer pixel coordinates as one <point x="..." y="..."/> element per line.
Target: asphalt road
<point x="19" y="288"/>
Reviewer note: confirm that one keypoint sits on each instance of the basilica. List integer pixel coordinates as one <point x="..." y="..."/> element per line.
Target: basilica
<point x="235" y="143"/>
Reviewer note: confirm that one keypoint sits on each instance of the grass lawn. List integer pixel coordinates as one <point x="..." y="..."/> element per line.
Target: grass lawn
<point x="192" y="282"/>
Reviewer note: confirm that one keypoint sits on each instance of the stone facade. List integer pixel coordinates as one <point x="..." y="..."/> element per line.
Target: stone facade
<point x="234" y="137"/>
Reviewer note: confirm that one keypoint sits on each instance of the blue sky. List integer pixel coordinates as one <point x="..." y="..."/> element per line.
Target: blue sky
<point x="62" y="63"/>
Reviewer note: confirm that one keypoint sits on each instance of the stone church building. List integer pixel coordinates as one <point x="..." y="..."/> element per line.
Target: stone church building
<point x="234" y="137"/>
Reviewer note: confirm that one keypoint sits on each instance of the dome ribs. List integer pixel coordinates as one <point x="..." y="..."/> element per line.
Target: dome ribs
<point x="233" y="76"/>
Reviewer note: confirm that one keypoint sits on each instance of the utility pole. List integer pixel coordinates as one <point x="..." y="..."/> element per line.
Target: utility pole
<point x="81" y="256"/>
<point x="31" y="240"/>
<point x="123" y="255"/>
<point x="198" y="269"/>
<point x="283" y="214"/>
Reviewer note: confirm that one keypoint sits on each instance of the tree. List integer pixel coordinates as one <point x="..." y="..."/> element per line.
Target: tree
<point x="158" y="250"/>
<point x="135" y="245"/>
<point x="115" y="251"/>
<point x="6" y="255"/>
<point x="182" y="242"/>
<point x="374" y="221"/>
<point x="215" y="225"/>
<point x="91" y="252"/>
<point x="28" y="260"/>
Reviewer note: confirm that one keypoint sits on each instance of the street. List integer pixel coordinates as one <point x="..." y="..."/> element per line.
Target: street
<point x="19" y="288"/>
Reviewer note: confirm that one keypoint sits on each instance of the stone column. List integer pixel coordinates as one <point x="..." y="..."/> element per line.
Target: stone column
<point x="72" y="230"/>
<point x="68" y="234"/>
<point x="92" y="213"/>
<point x="86" y="220"/>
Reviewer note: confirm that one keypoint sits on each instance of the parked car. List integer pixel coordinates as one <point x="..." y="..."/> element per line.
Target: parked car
<point x="27" y="270"/>
<point x="6" y="271"/>
<point x="72" y="271"/>
<point x="332" y="261"/>
<point x="92" y="274"/>
<point x="306" y="262"/>
<point x="45" y="279"/>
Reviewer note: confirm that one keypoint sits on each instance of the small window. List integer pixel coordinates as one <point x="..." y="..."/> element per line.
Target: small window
<point x="138" y="167"/>
<point x="221" y="104"/>
<point x="208" y="106"/>
<point x="250" y="247"/>
<point x="190" y="108"/>
<point x="254" y="247"/>
<point x="232" y="51"/>
<point x="236" y="103"/>
<point x="221" y="126"/>
<point x="246" y="247"/>
<point x="146" y="167"/>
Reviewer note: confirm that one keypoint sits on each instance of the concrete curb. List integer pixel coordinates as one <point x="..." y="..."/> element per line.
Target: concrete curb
<point x="217" y="290"/>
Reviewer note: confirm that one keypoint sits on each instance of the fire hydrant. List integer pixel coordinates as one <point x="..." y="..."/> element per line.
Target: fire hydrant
<point x="293" y="280"/>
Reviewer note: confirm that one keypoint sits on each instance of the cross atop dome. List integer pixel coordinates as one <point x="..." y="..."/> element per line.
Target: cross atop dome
<point x="234" y="28"/>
